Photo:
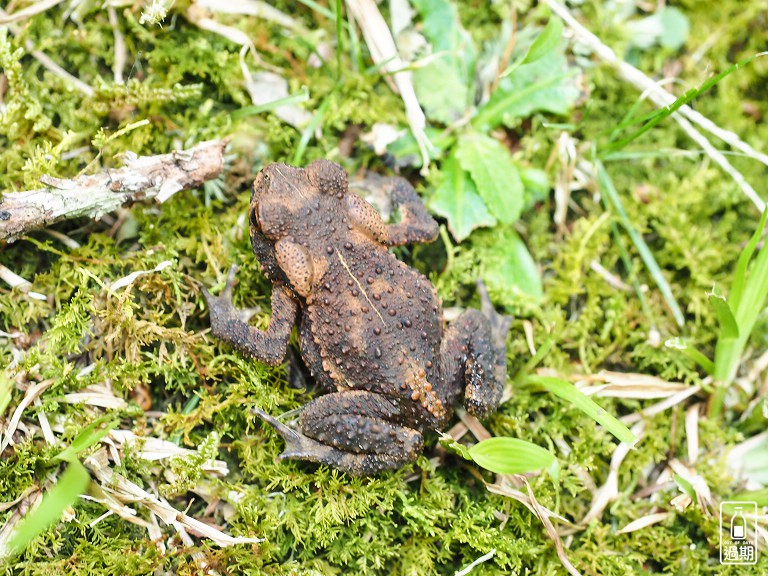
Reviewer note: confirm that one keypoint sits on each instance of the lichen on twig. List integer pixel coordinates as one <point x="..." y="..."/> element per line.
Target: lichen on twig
<point x="142" y="178"/>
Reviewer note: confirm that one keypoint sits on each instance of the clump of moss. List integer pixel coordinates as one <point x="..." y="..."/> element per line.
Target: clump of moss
<point x="148" y="342"/>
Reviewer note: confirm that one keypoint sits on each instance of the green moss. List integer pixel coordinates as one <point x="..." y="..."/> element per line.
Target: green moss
<point x="434" y="516"/>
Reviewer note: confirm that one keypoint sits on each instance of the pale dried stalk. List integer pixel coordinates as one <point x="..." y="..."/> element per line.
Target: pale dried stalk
<point x="610" y="490"/>
<point x="123" y="490"/>
<point x="384" y="53"/>
<point x="28" y="12"/>
<point x="253" y="8"/>
<point x="143" y="178"/>
<point x="663" y="98"/>
<point x="33" y="392"/>
<point x="120" y="51"/>
<point x="40" y="56"/>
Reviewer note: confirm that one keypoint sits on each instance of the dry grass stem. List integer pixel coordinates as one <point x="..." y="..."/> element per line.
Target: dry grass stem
<point x="384" y="54"/>
<point x="608" y="492"/>
<point x="662" y="98"/>
<point x="628" y="385"/>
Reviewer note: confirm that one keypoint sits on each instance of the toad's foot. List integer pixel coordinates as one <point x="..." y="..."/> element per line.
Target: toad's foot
<point x="474" y="356"/>
<point x="349" y="431"/>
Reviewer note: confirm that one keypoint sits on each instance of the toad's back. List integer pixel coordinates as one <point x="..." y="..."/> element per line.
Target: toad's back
<point x="377" y="324"/>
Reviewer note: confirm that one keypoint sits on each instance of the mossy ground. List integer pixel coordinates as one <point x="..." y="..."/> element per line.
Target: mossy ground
<point x="151" y="338"/>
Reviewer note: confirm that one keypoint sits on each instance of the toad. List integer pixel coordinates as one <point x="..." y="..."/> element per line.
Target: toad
<point x="370" y="327"/>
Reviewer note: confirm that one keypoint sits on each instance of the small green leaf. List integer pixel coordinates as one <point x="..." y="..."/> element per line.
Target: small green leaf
<point x="542" y="45"/>
<point x="494" y="173"/>
<point x="447" y="442"/>
<point x="506" y="263"/>
<point x="728" y="327"/>
<point x="545" y="42"/>
<point x="72" y="483"/>
<point x="569" y="393"/>
<point x="510" y="456"/>
<point x="89" y="436"/>
<point x="684" y="486"/>
<point x="456" y="199"/>
<point x="546" y="85"/>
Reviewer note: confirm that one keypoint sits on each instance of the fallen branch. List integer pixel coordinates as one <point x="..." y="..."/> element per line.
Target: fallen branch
<point x="142" y="178"/>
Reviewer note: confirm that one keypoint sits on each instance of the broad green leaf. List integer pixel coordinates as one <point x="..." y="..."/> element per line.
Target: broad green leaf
<point x="456" y="199"/>
<point x="675" y="28"/>
<point x="72" y="483"/>
<point x="536" y="184"/>
<point x="569" y="393"/>
<point x="441" y="26"/>
<point x="547" y="85"/>
<point x="728" y="327"/>
<point x="89" y="436"/>
<point x="442" y="90"/>
<point x="495" y="174"/>
<point x="668" y="27"/>
<point x="510" y="456"/>
<point x="506" y="263"/>
<point x="544" y="43"/>
<point x="445" y="86"/>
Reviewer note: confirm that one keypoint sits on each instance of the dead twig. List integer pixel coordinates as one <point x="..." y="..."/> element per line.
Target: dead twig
<point x="143" y="178"/>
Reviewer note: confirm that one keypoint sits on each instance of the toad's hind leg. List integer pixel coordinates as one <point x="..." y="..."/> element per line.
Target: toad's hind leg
<point x="352" y="431"/>
<point x="474" y="356"/>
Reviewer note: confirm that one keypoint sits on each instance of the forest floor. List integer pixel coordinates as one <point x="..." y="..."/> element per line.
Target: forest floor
<point x="612" y="235"/>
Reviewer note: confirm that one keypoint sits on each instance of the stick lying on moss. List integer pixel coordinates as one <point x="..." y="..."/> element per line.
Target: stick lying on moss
<point x="142" y="178"/>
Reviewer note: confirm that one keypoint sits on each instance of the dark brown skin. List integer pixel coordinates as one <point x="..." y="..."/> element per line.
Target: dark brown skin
<point x="370" y="327"/>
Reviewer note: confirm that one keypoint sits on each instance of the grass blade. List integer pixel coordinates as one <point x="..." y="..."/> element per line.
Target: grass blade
<point x="510" y="456"/>
<point x="296" y="98"/>
<point x="729" y="329"/>
<point x="740" y="275"/>
<point x="655" y="118"/>
<point x="6" y="387"/>
<point x="692" y="353"/>
<point x="569" y="393"/>
<point x="308" y="131"/>
<point x="606" y="185"/>
<point x="72" y="483"/>
<point x="90" y="435"/>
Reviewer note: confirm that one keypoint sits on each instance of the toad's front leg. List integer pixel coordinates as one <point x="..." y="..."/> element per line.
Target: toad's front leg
<point x="228" y="324"/>
<point x="355" y="432"/>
